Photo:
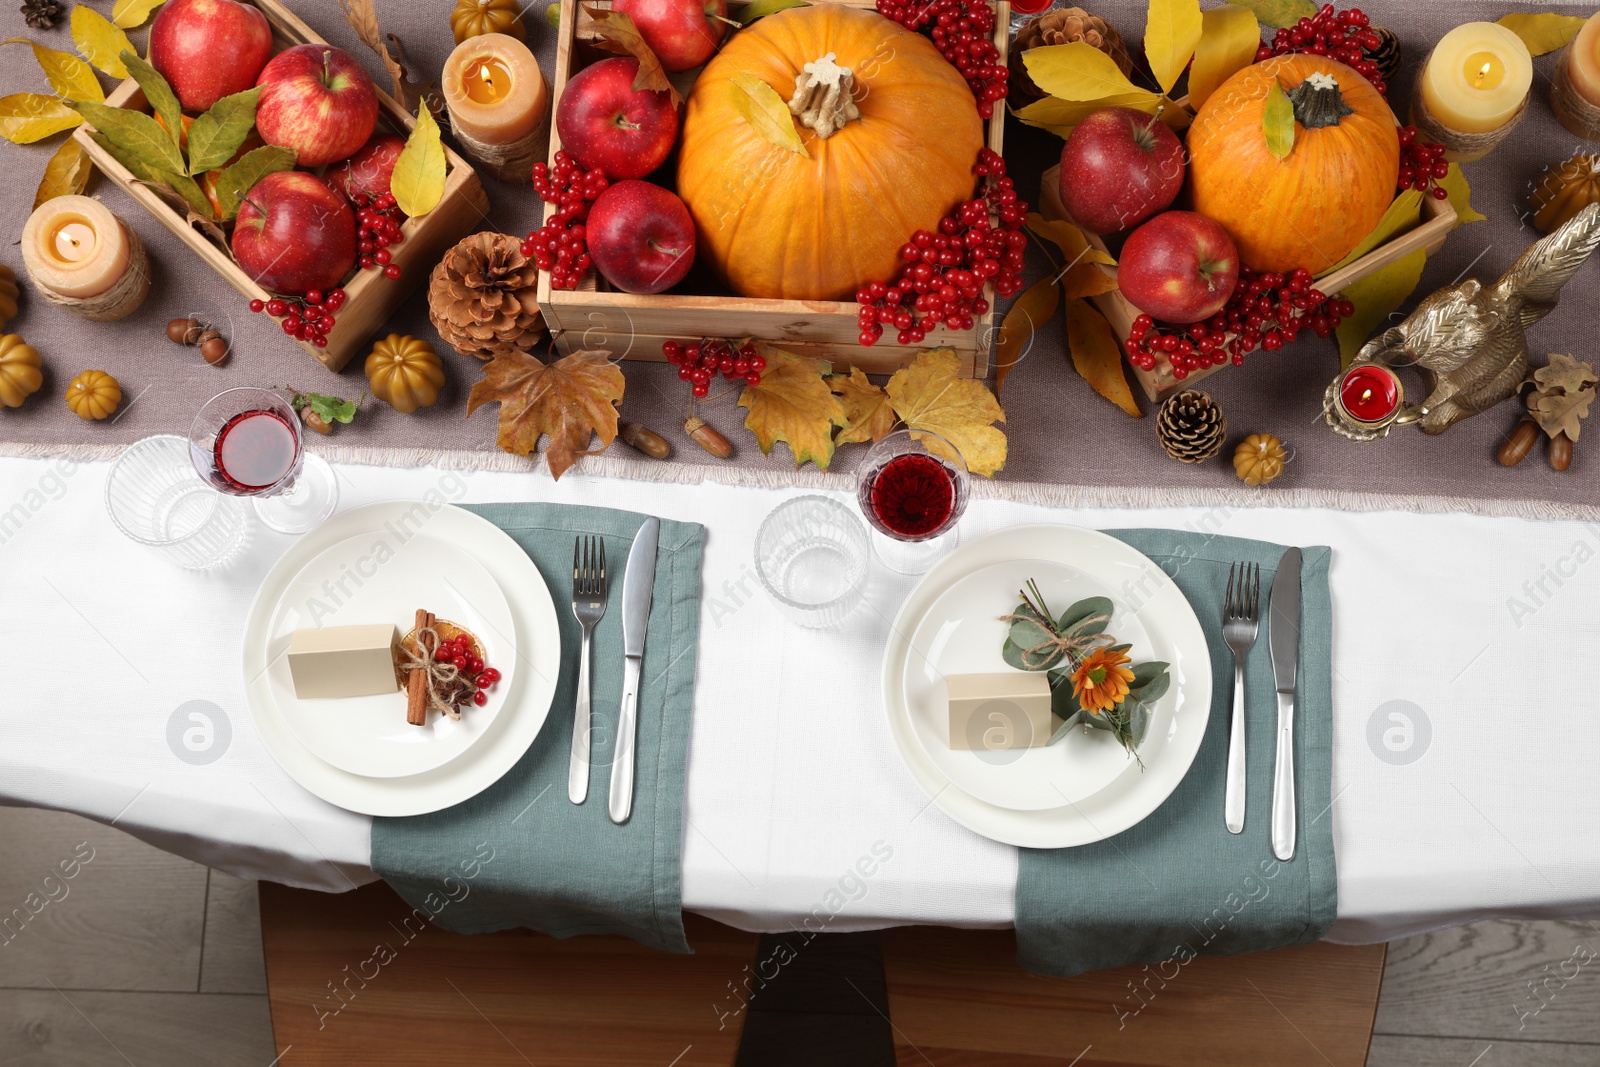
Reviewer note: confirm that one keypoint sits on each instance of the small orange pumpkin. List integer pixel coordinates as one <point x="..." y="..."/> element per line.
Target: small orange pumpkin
<point x="474" y="18"/>
<point x="1315" y="205"/>
<point x="20" y="376"/>
<point x="93" y="395"/>
<point x="404" y="372"/>
<point x="901" y="136"/>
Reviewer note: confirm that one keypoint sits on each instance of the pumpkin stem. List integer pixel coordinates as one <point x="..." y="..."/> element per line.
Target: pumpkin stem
<point x="824" y="96"/>
<point x="1318" y="102"/>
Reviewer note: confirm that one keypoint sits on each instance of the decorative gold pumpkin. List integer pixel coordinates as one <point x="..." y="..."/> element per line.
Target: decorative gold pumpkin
<point x="404" y="372"/>
<point x="1565" y="190"/>
<point x="20" y="376"/>
<point x="891" y="142"/>
<point x="8" y="295"/>
<point x="94" y="394"/>
<point x="1259" y="459"/>
<point x="474" y="18"/>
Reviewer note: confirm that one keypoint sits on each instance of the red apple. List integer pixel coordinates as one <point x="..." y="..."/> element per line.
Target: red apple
<point x="640" y="237"/>
<point x="1179" y="267"/>
<point x="605" y="123"/>
<point x="317" y="100"/>
<point x="209" y="49"/>
<point x="367" y="173"/>
<point x="1119" y="167"/>
<point x="682" y="33"/>
<point x="295" y="233"/>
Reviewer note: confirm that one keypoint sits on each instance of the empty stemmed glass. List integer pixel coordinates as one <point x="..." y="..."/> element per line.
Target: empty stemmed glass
<point x="248" y="442"/>
<point x="912" y="487"/>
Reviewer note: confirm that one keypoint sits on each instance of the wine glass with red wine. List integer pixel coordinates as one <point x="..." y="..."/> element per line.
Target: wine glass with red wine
<point x="912" y="487"/>
<point x="247" y="442"/>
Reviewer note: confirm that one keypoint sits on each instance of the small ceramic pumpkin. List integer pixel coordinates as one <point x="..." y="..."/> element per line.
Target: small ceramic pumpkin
<point x="94" y="394"/>
<point x="1565" y="190"/>
<point x="8" y="295"/>
<point x="404" y="373"/>
<point x="20" y="377"/>
<point x="474" y="18"/>
<point x="1259" y="459"/>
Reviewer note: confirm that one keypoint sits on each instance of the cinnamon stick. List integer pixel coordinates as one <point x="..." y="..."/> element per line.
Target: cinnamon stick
<point x="417" y="680"/>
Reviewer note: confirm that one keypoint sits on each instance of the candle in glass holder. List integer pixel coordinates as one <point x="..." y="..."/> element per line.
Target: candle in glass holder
<point x="1369" y="394"/>
<point x="498" y="102"/>
<point x="1473" y="89"/>
<point x="1575" y="87"/>
<point x="83" y="257"/>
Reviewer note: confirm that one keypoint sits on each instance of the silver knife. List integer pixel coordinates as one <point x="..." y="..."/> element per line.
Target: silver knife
<point x="637" y="583"/>
<point x="1285" y="662"/>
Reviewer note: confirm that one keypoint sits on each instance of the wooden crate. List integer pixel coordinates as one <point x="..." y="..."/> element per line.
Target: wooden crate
<point x="596" y="316"/>
<point x="371" y="298"/>
<point x="1438" y="219"/>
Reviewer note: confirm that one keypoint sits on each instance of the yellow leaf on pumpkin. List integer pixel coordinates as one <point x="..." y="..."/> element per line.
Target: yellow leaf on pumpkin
<point x="67" y="172"/>
<point x="1403" y="214"/>
<point x="98" y="41"/>
<point x="571" y="400"/>
<point x="1455" y="183"/>
<point x="1171" y="31"/>
<point x="868" y="414"/>
<point x="29" y="117"/>
<point x="793" y="404"/>
<point x="1376" y="297"/>
<point x="1277" y="122"/>
<point x="126" y="14"/>
<point x="419" y="170"/>
<point x="1545" y="31"/>
<point x="68" y="75"/>
<point x="1030" y="311"/>
<point x="1229" y="37"/>
<point x="766" y="112"/>
<point x="1097" y="356"/>
<point x="931" y="395"/>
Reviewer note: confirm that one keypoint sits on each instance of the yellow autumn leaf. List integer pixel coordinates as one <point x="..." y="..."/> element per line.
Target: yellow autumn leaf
<point x="1087" y="279"/>
<point x="1280" y="14"/>
<point x="1097" y="356"/>
<point x="68" y="75"/>
<point x="29" y="117"/>
<point x="1060" y="117"/>
<point x="1077" y="71"/>
<point x="868" y="414"/>
<point x="67" y="172"/>
<point x="1229" y="37"/>
<point x="1030" y="311"/>
<point x="572" y="400"/>
<point x="766" y="112"/>
<point x="931" y="395"/>
<point x="1277" y="122"/>
<point x="418" y="179"/>
<point x="1455" y="184"/>
<point x="1069" y="238"/>
<point x="1376" y="297"/>
<point x="126" y="14"/>
<point x="1403" y="214"/>
<point x="1545" y="31"/>
<point x="793" y="404"/>
<point x="1171" y="31"/>
<point x="99" y="41"/>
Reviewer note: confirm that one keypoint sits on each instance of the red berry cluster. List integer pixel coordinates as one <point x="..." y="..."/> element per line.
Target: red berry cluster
<point x="963" y="32"/>
<point x="1266" y="311"/>
<point x="1339" y="35"/>
<point x="1421" y="164"/>
<point x="459" y="653"/>
<point x="377" y="228"/>
<point x="308" y="318"/>
<point x="700" y="361"/>
<point x="942" y="281"/>
<point x="559" y="246"/>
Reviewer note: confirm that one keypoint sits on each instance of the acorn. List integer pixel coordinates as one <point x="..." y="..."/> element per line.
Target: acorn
<point x="315" y="422"/>
<point x="644" y="439"/>
<point x="1519" y="444"/>
<point x="183" y="331"/>
<point x="705" y="435"/>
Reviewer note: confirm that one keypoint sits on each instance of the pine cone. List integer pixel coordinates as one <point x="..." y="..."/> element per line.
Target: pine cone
<point x="1062" y="25"/>
<point x="1387" y="55"/>
<point x="1191" y="426"/>
<point x="481" y="297"/>
<point x="41" y="14"/>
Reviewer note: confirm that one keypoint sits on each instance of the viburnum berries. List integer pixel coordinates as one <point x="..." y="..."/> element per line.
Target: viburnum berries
<point x="308" y="318"/>
<point x="377" y="230"/>
<point x="700" y="361"/>
<point x="1340" y="35"/>
<point x="1421" y="164"/>
<point x="560" y="245"/>
<point x="963" y="32"/>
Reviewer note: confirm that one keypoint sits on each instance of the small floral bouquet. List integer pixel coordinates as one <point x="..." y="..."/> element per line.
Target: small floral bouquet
<point x="1093" y="681"/>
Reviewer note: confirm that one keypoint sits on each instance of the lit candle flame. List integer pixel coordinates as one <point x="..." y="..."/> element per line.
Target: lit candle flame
<point x="1483" y="72"/>
<point x="1366" y="394"/>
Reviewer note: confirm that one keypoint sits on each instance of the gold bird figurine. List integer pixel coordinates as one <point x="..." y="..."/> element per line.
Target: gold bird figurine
<point x="1468" y="339"/>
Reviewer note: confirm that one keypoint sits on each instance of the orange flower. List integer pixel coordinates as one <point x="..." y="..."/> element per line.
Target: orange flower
<point x="1101" y="681"/>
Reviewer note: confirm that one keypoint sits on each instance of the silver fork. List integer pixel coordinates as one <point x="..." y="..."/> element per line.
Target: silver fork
<point x="1241" y="616"/>
<point x="589" y="606"/>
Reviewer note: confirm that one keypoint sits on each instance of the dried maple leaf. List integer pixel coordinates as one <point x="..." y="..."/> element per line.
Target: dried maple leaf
<point x="570" y="399"/>
<point x="1097" y="356"/>
<point x="793" y="404"/>
<point x="1562" y="393"/>
<point x="931" y="395"/>
<point x="363" y="18"/>
<point x="869" y="415"/>
<point x="617" y="33"/>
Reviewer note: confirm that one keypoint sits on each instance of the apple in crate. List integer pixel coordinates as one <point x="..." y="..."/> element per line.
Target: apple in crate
<point x="209" y="49"/>
<point x="1179" y="267"/>
<point x="369" y="171"/>
<point x="640" y="237"/>
<point x="317" y="100"/>
<point x="682" y="33"/>
<point x="295" y="233"/>
<point x="1119" y="167"/>
<point x="606" y="123"/>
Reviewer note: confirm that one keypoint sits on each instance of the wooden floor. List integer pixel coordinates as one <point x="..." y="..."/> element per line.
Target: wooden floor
<point x="151" y="960"/>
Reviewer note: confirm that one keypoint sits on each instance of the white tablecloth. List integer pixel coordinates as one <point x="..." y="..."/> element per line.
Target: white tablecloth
<point x="1484" y="628"/>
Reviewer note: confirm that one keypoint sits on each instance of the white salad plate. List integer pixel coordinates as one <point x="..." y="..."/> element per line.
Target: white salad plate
<point x="1114" y="793"/>
<point x="368" y="579"/>
<point x="526" y="692"/>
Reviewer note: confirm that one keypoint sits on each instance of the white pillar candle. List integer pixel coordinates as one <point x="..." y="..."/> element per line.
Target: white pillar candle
<point x="75" y="247"/>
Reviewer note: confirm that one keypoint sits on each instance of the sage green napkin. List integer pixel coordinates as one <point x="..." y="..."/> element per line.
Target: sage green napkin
<point x="1179" y="884"/>
<point x="520" y="853"/>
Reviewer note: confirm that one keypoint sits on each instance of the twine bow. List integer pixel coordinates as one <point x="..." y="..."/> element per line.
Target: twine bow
<point x="1071" y="643"/>
<point x="445" y="679"/>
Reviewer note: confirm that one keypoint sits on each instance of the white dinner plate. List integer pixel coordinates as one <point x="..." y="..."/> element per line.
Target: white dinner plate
<point x="537" y="648"/>
<point x="367" y="579"/>
<point x="962" y="634"/>
<point x="1136" y="584"/>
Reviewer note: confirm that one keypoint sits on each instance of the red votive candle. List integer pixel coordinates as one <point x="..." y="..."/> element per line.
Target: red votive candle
<point x="1369" y="392"/>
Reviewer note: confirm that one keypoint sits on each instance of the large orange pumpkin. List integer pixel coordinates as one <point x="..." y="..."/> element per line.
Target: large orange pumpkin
<point x="1315" y="205"/>
<point x="775" y="223"/>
